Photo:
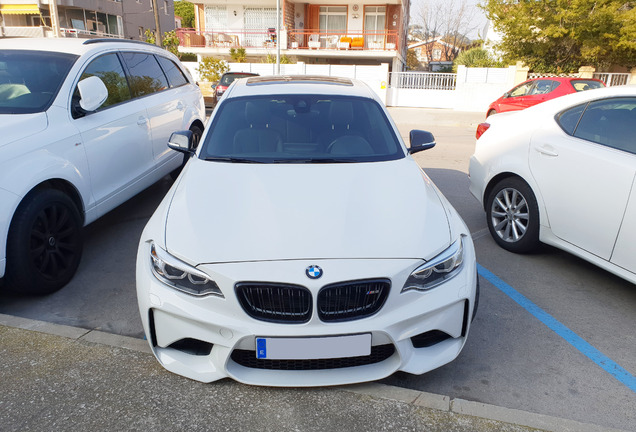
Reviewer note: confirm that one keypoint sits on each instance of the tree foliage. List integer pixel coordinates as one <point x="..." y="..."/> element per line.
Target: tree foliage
<point x="412" y="63"/>
<point x="238" y="55"/>
<point x="271" y="58"/>
<point x="171" y="42"/>
<point x="211" y="68"/>
<point x="185" y="10"/>
<point x="562" y="35"/>
<point x="150" y="36"/>
<point x="476" y="57"/>
<point x="450" y="19"/>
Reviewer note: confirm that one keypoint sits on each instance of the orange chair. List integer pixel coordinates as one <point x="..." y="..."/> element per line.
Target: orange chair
<point x="357" y="42"/>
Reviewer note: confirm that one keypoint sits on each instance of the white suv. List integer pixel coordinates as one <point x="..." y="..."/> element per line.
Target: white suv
<point x="85" y="126"/>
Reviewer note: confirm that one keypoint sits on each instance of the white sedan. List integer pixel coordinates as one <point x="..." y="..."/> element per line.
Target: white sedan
<point x="302" y="245"/>
<point x="563" y="173"/>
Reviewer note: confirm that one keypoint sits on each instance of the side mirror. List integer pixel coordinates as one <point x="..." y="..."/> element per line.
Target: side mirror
<point x="506" y="95"/>
<point x="421" y="140"/>
<point x="181" y="141"/>
<point x="93" y="93"/>
<point x="214" y="86"/>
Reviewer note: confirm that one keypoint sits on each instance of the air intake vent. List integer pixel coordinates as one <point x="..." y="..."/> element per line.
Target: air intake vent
<point x="248" y="359"/>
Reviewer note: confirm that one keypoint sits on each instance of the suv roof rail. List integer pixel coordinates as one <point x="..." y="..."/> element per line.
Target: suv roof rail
<point x="100" y="40"/>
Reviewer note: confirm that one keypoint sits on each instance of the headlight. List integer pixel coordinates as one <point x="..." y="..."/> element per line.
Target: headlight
<point x="443" y="267"/>
<point x="179" y="275"/>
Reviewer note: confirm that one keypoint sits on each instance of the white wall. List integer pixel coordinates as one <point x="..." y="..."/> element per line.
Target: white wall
<point x="416" y="98"/>
<point x="376" y="77"/>
<point x="476" y="88"/>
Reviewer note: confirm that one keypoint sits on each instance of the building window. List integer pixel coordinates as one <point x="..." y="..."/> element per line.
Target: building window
<point x="165" y="7"/>
<point x="141" y="32"/>
<point x="333" y="19"/>
<point x="257" y="21"/>
<point x="437" y="54"/>
<point x="215" y="18"/>
<point x="374" y="22"/>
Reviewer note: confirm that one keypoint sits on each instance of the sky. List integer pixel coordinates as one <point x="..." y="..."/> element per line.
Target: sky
<point x="478" y="22"/>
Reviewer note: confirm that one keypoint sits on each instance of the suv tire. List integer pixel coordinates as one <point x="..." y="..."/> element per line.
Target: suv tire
<point x="44" y="245"/>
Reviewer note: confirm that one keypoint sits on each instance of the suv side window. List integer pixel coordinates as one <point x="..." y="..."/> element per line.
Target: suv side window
<point x="173" y="72"/>
<point x="109" y="69"/>
<point x="146" y="76"/>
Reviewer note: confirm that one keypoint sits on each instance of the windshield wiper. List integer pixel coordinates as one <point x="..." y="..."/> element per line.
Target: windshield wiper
<point x="231" y="159"/>
<point x="312" y="161"/>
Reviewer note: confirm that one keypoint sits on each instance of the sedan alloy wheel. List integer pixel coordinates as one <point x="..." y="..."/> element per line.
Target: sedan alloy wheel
<point x="512" y="215"/>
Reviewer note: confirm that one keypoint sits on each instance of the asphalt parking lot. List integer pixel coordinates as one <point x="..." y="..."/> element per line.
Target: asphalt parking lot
<point x="553" y="335"/>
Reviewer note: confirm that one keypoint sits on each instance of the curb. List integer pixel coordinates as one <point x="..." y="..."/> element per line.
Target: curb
<point x="375" y="390"/>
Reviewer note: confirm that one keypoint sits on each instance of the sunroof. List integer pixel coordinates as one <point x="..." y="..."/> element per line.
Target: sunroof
<point x="298" y="79"/>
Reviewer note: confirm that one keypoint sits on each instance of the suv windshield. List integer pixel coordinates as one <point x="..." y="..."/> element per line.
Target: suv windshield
<point x="30" y="80"/>
<point x="301" y="129"/>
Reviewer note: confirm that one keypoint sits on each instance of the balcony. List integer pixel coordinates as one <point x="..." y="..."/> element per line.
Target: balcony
<point x="294" y="41"/>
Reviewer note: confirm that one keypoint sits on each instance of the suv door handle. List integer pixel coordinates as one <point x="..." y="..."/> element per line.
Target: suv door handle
<point x="180" y="106"/>
<point x="142" y="121"/>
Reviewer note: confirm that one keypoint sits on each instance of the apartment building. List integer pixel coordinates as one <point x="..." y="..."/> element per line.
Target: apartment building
<point x="84" y="18"/>
<point x="313" y="32"/>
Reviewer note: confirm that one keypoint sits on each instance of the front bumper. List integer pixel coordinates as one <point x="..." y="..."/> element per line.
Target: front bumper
<point x="210" y="338"/>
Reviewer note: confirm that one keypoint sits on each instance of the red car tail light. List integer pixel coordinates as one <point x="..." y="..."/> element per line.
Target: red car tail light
<point x="483" y="127"/>
<point x="220" y="89"/>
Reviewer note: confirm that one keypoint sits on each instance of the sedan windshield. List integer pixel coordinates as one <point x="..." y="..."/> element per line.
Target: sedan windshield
<point x="301" y="129"/>
<point x="30" y="80"/>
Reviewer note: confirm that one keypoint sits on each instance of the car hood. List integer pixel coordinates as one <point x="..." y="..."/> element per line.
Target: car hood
<point x="224" y="212"/>
<point x="17" y="126"/>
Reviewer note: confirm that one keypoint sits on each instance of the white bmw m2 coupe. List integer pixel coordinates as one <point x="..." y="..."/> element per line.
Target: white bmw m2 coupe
<point x="302" y="245"/>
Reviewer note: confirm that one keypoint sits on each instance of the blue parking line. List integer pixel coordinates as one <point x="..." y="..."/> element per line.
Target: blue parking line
<point x="572" y="338"/>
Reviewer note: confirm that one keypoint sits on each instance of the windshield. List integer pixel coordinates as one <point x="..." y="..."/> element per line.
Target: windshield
<point x="581" y="85"/>
<point x="301" y="129"/>
<point x="228" y="79"/>
<point x="30" y="80"/>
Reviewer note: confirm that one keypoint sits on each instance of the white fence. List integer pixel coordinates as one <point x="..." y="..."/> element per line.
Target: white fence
<point x="613" y="79"/>
<point x="423" y="80"/>
<point x="609" y="78"/>
<point x="471" y="89"/>
<point x="374" y="76"/>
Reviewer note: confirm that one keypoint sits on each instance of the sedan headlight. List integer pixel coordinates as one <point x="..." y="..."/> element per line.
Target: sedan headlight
<point x="179" y="275"/>
<point x="440" y="269"/>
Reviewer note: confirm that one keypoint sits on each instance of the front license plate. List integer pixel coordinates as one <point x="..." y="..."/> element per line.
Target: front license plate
<point x="313" y="348"/>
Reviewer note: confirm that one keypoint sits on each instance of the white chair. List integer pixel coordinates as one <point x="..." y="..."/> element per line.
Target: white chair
<point x="314" y="41"/>
<point x="332" y="41"/>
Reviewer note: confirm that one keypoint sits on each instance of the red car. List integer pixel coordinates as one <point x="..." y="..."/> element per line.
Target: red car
<point x="537" y="90"/>
<point x="225" y="81"/>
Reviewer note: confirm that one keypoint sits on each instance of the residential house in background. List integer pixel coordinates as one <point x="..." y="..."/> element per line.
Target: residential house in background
<point x="435" y="54"/>
<point x="84" y="18"/>
<point x="313" y="32"/>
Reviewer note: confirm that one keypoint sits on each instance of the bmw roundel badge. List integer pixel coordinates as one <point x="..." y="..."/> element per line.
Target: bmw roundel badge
<point x="313" y="272"/>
